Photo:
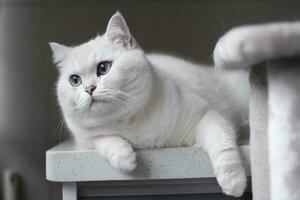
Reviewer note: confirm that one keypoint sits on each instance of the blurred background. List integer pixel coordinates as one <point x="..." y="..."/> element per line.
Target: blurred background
<point x="29" y="115"/>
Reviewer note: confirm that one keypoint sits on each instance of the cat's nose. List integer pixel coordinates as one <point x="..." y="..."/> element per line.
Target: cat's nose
<point x="90" y="89"/>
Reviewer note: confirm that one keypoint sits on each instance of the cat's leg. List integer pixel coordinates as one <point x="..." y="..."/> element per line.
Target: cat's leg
<point x="217" y="137"/>
<point x="118" y="151"/>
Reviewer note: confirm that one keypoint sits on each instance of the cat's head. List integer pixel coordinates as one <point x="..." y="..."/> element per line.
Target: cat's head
<point x="103" y="79"/>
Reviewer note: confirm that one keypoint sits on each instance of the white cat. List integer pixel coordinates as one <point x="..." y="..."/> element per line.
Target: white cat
<point x="115" y="97"/>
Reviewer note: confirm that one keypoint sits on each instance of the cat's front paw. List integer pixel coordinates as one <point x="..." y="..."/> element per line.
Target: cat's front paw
<point x="232" y="179"/>
<point x="124" y="160"/>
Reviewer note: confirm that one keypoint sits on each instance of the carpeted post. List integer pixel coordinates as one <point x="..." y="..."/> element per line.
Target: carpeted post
<point x="258" y="113"/>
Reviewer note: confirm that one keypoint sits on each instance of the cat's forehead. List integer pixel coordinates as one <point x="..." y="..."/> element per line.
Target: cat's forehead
<point x="88" y="54"/>
<point x="96" y="45"/>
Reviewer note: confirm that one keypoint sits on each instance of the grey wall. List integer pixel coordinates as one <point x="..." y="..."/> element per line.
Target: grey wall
<point x="28" y="112"/>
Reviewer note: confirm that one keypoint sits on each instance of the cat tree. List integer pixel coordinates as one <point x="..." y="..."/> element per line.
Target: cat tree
<point x="271" y="51"/>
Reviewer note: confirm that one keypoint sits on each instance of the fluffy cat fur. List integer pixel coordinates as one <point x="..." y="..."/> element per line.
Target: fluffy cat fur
<point x="148" y="101"/>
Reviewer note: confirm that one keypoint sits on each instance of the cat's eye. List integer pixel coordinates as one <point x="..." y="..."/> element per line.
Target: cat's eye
<point x="75" y="80"/>
<point x="103" y="68"/>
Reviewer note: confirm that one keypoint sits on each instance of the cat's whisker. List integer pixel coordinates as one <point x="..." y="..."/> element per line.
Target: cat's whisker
<point x="128" y="101"/>
<point x="126" y="107"/>
<point x="81" y="103"/>
<point x="60" y="129"/>
<point x="127" y="97"/>
<point x="120" y="104"/>
<point x="123" y="106"/>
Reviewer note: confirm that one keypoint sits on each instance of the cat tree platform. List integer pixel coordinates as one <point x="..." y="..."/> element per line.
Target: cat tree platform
<point x="85" y="174"/>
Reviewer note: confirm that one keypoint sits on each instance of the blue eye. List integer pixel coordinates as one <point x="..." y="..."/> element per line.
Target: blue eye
<point x="75" y="80"/>
<point x="103" y="68"/>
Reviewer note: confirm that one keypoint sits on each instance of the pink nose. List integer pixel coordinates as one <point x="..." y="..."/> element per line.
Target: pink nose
<point x="90" y="89"/>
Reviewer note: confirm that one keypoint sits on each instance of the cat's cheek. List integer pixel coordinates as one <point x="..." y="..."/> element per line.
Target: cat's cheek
<point x="113" y="81"/>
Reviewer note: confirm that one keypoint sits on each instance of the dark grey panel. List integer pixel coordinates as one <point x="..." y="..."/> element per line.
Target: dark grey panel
<point x="246" y="196"/>
<point x="150" y="187"/>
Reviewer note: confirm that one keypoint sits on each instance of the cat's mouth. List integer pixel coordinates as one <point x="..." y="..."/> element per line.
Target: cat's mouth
<point x="95" y="101"/>
<point x="103" y="97"/>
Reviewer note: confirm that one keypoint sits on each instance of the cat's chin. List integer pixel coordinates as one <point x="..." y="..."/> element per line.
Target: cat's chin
<point x="102" y="106"/>
<point x="98" y="103"/>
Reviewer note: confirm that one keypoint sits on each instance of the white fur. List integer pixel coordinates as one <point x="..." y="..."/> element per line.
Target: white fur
<point x="148" y="101"/>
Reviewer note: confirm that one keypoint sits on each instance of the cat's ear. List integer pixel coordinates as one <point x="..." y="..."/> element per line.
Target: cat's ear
<point x="59" y="51"/>
<point x="117" y="31"/>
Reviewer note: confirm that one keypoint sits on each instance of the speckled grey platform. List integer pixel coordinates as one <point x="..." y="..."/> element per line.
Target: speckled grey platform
<point x="64" y="163"/>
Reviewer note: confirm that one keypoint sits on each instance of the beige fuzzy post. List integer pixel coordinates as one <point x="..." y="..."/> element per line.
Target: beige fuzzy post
<point x="284" y="128"/>
<point x="258" y="117"/>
